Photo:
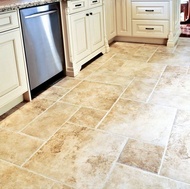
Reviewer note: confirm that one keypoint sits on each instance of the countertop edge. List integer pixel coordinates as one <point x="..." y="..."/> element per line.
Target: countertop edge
<point x="19" y="5"/>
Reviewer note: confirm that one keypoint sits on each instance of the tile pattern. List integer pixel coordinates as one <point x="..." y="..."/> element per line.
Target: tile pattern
<point x="122" y="122"/>
<point x="77" y="156"/>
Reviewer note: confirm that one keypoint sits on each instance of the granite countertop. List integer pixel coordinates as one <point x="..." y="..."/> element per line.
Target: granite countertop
<point x="7" y="5"/>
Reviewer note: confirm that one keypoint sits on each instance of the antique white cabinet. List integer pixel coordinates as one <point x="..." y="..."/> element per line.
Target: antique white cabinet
<point x="85" y="35"/>
<point x="13" y="80"/>
<point x="110" y="14"/>
<point x="123" y="9"/>
<point x="86" y="32"/>
<point x="151" y="21"/>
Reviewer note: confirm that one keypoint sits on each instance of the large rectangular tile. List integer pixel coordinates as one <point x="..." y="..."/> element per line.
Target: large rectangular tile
<point x="177" y="159"/>
<point x="13" y="177"/>
<point x="77" y="156"/>
<point x="93" y="95"/>
<point x="125" y="177"/>
<point x="17" y="148"/>
<point x="147" y="122"/>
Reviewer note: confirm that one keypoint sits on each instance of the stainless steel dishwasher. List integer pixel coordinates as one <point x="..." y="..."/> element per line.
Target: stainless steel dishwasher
<point x="42" y="35"/>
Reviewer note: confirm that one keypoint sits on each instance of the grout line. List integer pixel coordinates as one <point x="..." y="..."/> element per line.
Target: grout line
<point x="29" y="170"/>
<point x="48" y="139"/>
<point x="153" y="90"/>
<point x="166" y="146"/>
<point x="114" y="163"/>
<point x="54" y="102"/>
<point x="114" y="104"/>
<point x="152" y="55"/>
<point x="151" y="173"/>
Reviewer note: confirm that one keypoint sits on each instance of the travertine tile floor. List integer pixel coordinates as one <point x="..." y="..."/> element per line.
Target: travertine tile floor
<point x="122" y="123"/>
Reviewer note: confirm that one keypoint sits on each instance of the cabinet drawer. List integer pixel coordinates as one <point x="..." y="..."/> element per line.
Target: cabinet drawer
<point x="148" y="28"/>
<point x="95" y="3"/>
<point x="8" y="21"/>
<point x="77" y="6"/>
<point x="150" y="10"/>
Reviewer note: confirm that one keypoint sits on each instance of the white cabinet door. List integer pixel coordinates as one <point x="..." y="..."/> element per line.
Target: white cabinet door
<point x="123" y="9"/>
<point x="12" y="70"/>
<point x="96" y="28"/>
<point x="80" y="35"/>
<point x="110" y="8"/>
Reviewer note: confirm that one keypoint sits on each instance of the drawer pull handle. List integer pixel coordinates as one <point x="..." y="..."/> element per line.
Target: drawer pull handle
<point x="94" y="1"/>
<point x="149" y="10"/>
<point x="149" y="28"/>
<point x="78" y="5"/>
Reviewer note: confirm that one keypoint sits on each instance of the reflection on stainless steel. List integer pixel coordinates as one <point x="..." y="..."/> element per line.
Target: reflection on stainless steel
<point x="43" y="42"/>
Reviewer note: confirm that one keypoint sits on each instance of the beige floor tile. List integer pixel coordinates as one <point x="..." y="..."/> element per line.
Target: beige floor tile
<point x="48" y="123"/>
<point x="142" y="155"/>
<point x="87" y="117"/>
<point x="125" y="177"/>
<point x="13" y="177"/>
<point x="170" y="100"/>
<point x="17" y="148"/>
<point x="20" y="118"/>
<point x="145" y="71"/>
<point x="177" y="160"/>
<point x="60" y="186"/>
<point x="53" y="93"/>
<point x="128" y="48"/>
<point x="182" y="117"/>
<point x="170" y="58"/>
<point x="93" y="95"/>
<point x="147" y="122"/>
<point x="139" y="89"/>
<point x="105" y="76"/>
<point x="78" y="156"/>
<point x="68" y="82"/>
<point x="174" y="81"/>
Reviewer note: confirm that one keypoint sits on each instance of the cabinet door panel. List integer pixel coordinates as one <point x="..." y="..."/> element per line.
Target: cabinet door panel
<point x="8" y="63"/>
<point x="80" y="35"/>
<point x="96" y="26"/>
<point x="12" y="69"/>
<point x="123" y="8"/>
<point x="110" y="8"/>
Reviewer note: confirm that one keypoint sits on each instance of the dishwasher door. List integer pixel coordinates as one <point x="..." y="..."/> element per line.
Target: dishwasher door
<point x="42" y="35"/>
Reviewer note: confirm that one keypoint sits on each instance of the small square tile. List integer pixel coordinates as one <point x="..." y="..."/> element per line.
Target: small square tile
<point x="142" y="155"/>
<point x="87" y="117"/>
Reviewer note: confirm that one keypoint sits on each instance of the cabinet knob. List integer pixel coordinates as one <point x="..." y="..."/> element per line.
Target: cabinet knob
<point x="91" y="13"/>
<point x="87" y="14"/>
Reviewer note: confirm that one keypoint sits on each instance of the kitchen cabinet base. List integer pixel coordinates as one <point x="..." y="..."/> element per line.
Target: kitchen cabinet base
<point x="11" y="104"/>
<point x="159" y="41"/>
<point x="76" y="66"/>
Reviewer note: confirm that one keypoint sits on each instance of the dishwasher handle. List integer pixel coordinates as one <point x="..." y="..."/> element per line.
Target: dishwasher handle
<point x="40" y="14"/>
